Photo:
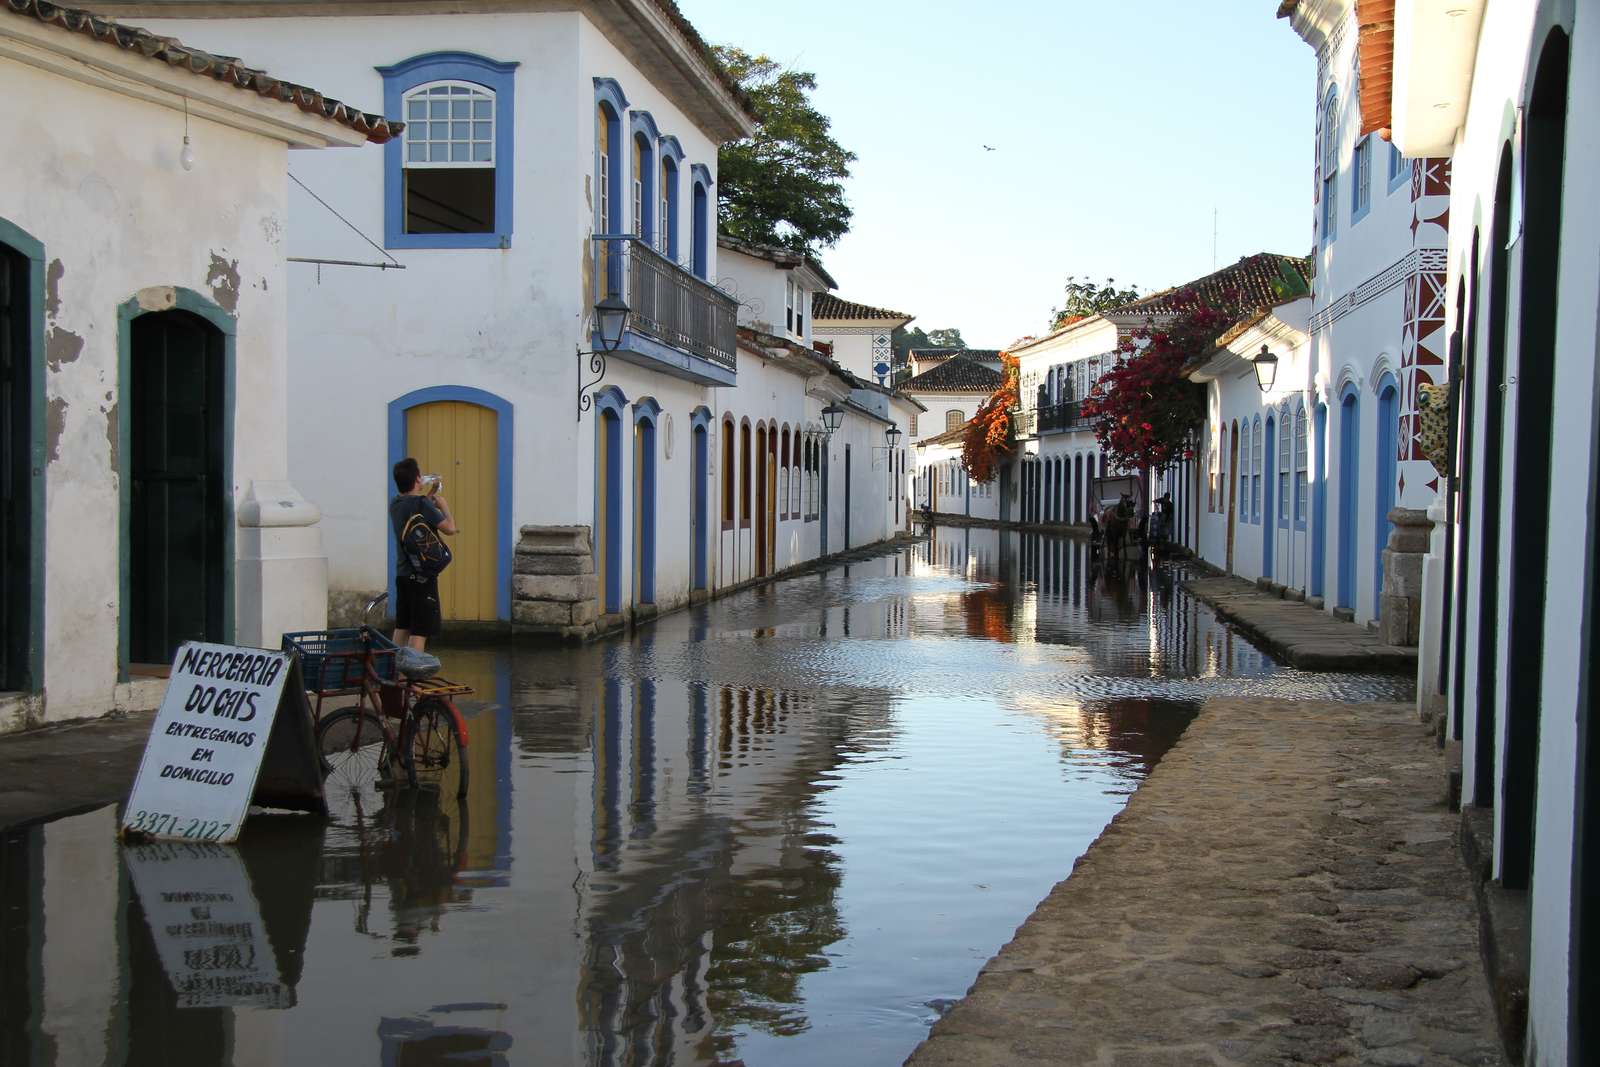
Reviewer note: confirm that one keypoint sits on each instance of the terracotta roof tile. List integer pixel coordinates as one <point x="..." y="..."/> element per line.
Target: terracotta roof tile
<point x="1375" y="47"/>
<point x="929" y="355"/>
<point x="1264" y="280"/>
<point x="837" y="308"/>
<point x="779" y="254"/>
<point x="224" y="69"/>
<point x="956" y="375"/>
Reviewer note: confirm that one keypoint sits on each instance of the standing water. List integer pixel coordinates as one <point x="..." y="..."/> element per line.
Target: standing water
<point x="786" y="827"/>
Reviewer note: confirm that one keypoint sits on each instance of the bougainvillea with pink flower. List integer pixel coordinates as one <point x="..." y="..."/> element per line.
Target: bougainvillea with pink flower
<point x="1146" y="414"/>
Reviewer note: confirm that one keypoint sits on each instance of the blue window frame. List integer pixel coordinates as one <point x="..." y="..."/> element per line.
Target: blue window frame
<point x="1285" y="465"/>
<point x="1330" y="167"/>
<point x="1255" y="471"/>
<point x="1302" y="463"/>
<point x="1399" y="169"/>
<point x="1244" y="475"/>
<point x="447" y="180"/>
<point x="642" y="139"/>
<point x="671" y="178"/>
<point x="1361" y="180"/>
<point x="704" y="213"/>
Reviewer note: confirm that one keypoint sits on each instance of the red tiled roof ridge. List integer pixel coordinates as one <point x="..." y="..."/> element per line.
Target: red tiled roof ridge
<point x="1251" y="275"/>
<point x="955" y="375"/>
<point x="833" y="307"/>
<point x="224" y="69"/>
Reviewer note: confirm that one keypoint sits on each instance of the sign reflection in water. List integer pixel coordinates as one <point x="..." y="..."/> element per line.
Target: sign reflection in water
<point x="738" y="835"/>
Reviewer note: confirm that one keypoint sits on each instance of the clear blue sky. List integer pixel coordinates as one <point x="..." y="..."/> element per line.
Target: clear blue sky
<point x="1118" y="127"/>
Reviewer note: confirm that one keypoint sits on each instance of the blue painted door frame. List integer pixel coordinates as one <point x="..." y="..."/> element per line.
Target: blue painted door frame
<point x="1388" y="446"/>
<point x="1319" y="504"/>
<point x="1269" y="514"/>
<point x="611" y="476"/>
<point x="645" y="510"/>
<point x="700" y="474"/>
<point x="1349" y="484"/>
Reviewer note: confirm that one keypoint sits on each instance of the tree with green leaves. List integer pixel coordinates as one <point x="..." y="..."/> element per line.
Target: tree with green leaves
<point x="904" y="340"/>
<point x="785" y="184"/>
<point x="1085" y="298"/>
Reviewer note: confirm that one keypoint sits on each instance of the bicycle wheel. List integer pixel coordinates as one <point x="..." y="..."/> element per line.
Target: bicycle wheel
<point x="431" y="745"/>
<point x="354" y="748"/>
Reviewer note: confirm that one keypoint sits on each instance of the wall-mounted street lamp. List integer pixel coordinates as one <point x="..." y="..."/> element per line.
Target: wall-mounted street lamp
<point x="1266" y="365"/>
<point x="832" y="417"/>
<point x="610" y="322"/>
<point x="892" y="435"/>
<point x="611" y="318"/>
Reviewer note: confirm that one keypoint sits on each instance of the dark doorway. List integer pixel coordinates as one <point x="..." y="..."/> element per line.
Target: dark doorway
<point x="16" y="482"/>
<point x="847" y="498"/>
<point x="1489" y="478"/>
<point x="177" y="568"/>
<point x="1535" y="395"/>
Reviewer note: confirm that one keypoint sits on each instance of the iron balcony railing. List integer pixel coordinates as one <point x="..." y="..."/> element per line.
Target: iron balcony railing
<point x="1025" y="422"/>
<point x="1059" y="418"/>
<point x="665" y="301"/>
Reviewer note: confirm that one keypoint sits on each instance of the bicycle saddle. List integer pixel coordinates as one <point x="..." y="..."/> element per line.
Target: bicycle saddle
<point x="416" y="665"/>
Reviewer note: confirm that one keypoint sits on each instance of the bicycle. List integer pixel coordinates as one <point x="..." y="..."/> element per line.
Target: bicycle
<point x="358" y="749"/>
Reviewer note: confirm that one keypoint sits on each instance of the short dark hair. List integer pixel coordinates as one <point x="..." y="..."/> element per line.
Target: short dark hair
<point x="406" y="473"/>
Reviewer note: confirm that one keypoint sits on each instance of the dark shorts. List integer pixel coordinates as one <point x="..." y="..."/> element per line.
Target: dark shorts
<point x="416" y="608"/>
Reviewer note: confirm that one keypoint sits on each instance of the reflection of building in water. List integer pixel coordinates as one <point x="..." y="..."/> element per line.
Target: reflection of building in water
<point x="712" y="894"/>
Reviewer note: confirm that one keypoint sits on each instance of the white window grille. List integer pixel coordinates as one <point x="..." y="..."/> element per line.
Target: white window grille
<point x="449" y="124"/>
<point x="1285" y="459"/>
<point x="1301" y="465"/>
<point x="953" y="419"/>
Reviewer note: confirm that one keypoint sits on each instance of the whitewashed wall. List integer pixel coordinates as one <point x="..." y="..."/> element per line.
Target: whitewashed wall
<point x="95" y="178"/>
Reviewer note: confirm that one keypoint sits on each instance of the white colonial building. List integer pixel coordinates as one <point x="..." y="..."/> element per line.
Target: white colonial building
<point x="1496" y="99"/>
<point x="143" y="295"/>
<point x="561" y="157"/>
<point x="859" y="336"/>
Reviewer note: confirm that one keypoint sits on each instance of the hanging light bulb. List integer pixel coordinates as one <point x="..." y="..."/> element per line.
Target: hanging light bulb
<point x="186" y="155"/>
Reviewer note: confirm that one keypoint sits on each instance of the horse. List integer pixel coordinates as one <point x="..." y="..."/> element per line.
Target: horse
<point x="1114" y="521"/>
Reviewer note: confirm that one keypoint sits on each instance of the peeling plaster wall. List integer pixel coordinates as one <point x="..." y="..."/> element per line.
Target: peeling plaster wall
<point x="95" y="177"/>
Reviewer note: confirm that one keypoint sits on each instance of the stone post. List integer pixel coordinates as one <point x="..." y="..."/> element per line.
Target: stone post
<point x="1400" y="600"/>
<point x="1430" y="648"/>
<point x="282" y="572"/>
<point x="554" y="590"/>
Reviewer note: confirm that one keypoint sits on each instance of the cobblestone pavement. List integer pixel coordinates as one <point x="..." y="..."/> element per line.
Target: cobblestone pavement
<point x="1296" y="633"/>
<point x="1285" y="888"/>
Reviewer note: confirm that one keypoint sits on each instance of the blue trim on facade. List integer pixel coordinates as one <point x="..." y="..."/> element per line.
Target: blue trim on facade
<point x="1359" y="210"/>
<point x="32" y="249"/>
<point x="646" y="412"/>
<point x="1283" y="498"/>
<point x="399" y="79"/>
<point x="505" y="454"/>
<point x="609" y="91"/>
<point x="642" y="132"/>
<point x="1349" y="482"/>
<point x="700" y="493"/>
<point x="1329" y="216"/>
<point x="671" y="149"/>
<point x="1269" y="476"/>
<point x="1319" y="501"/>
<point x="1388" y="463"/>
<point x="1401" y="175"/>
<point x="1256" y="472"/>
<point x="671" y="175"/>
<point x="609" y="401"/>
<point x="1301" y="505"/>
<point x="651" y="354"/>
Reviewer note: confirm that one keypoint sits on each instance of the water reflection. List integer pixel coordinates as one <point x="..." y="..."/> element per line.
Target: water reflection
<point x="738" y="836"/>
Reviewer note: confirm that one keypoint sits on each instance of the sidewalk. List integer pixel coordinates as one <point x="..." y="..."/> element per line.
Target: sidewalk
<point x="1297" y="634"/>
<point x="1284" y="888"/>
<point x="62" y="770"/>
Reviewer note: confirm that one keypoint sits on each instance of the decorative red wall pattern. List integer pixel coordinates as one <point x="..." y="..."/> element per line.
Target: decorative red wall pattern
<point x="1423" y="339"/>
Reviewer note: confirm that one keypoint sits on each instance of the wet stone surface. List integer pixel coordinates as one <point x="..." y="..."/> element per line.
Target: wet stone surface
<point x="787" y="827"/>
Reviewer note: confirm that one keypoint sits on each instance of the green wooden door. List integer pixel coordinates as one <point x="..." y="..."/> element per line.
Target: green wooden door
<point x="176" y="560"/>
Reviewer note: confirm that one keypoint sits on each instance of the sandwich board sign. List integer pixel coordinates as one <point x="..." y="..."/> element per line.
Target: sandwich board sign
<point x="234" y="729"/>
<point x="207" y="926"/>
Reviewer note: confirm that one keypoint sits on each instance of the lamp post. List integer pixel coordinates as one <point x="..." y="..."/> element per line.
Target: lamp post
<point x="611" y="316"/>
<point x="892" y="435"/>
<point x="832" y="416"/>
<point x="1266" y="365"/>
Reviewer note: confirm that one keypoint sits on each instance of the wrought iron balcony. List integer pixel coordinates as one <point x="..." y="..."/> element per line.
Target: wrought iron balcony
<point x="1024" y="422"/>
<point x="670" y="306"/>
<point x="1059" y="418"/>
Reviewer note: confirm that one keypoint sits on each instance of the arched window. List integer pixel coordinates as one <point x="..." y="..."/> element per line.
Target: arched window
<point x="744" y="474"/>
<point x="953" y="419"/>
<point x="1302" y="465"/>
<point x="448" y="176"/>
<point x="1285" y="464"/>
<point x="667" y="197"/>
<point x="727" y="472"/>
<point x="783" y="474"/>
<point x="1256" y="443"/>
<point x="1330" y="165"/>
<point x="704" y="214"/>
<point x="1243" y="434"/>
<point x="794" y="480"/>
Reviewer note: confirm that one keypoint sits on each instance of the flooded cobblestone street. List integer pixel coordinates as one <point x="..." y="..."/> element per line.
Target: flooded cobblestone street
<point x="785" y="827"/>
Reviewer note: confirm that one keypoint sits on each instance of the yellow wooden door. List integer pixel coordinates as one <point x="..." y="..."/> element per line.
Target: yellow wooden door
<point x="460" y="443"/>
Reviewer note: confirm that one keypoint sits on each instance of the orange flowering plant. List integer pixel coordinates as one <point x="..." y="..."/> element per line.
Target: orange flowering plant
<point x="989" y="438"/>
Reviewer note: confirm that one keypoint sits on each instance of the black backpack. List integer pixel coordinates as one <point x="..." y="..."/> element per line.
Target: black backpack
<point x="426" y="553"/>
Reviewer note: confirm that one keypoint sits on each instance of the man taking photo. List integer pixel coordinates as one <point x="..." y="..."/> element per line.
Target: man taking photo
<point x="416" y="611"/>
